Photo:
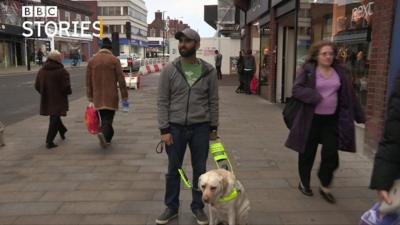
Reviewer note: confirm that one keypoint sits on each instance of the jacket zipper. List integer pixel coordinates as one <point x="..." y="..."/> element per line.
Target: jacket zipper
<point x="190" y="89"/>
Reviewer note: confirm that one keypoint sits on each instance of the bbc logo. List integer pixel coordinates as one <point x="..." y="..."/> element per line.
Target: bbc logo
<point x="39" y="11"/>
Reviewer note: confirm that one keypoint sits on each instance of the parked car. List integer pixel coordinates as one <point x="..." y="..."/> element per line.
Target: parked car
<point x="128" y="63"/>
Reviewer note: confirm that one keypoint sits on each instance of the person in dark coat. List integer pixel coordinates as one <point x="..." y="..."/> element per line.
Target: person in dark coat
<point x="249" y="68"/>
<point x="104" y="77"/>
<point x="326" y="117"/>
<point x="53" y="85"/>
<point x="387" y="160"/>
<point x="240" y="67"/>
<point x="40" y="56"/>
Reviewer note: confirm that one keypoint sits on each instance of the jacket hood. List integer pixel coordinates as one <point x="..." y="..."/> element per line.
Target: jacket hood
<point x="106" y="51"/>
<point x="206" y="67"/>
<point x="52" y="65"/>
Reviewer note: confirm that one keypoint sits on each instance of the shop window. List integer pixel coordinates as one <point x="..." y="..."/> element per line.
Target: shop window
<point x="348" y="24"/>
<point x="265" y="55"/>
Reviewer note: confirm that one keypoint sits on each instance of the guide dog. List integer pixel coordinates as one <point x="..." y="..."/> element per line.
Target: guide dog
<point x="226" y="197"/>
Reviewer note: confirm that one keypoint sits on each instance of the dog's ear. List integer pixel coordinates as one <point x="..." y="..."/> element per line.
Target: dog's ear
<point x="200" y="182"/>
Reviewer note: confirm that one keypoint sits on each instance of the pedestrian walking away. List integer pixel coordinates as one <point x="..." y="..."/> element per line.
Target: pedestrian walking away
<point x="103" y="77"/>
<point x="326" y="117"/>
<point x="249" y="68"/>
<point x="187" y="115"/>
<point x="53" y="85"/>
<point x="40" y="56"/>
<point x="387" y="160"/>
<point x="218" y="63"/>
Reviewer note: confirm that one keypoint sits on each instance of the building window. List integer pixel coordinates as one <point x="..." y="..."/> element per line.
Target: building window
<point x="67" y="16"/>
<point x="78" y="17"/>
<point x="125" y="11"/>
<point x="87" y="18"/>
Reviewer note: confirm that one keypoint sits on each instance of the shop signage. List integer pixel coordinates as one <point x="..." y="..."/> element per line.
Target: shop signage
<point x="363" y="11"/>
<point x="52" y="28"/>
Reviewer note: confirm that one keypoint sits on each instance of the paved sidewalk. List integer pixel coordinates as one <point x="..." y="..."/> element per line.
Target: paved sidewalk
<point x="79" y="183"/>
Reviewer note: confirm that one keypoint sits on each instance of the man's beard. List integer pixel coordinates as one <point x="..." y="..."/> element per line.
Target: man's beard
<point x="188" y="53"/>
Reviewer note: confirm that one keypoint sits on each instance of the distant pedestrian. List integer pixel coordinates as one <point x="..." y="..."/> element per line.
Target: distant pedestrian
<point x="40" y="56"/>
<point x="53" y="84"/>
<point x="187" y="115"/>
<point x="218" y="63"/>
<point x="387" y="159"/>
<point x="249" y="68"/>
<point x="326" y="117"/>
<point x="103" y="77"/>
<point x="240" y="71"/>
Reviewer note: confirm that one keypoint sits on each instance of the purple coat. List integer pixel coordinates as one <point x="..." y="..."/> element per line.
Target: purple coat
<point x="349" y="109"/>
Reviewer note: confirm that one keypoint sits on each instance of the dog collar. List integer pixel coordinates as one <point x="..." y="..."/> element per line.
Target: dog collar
<point x="231" y="196"/>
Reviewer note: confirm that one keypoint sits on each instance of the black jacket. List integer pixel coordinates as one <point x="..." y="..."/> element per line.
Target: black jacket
<point x="387" y="159"/>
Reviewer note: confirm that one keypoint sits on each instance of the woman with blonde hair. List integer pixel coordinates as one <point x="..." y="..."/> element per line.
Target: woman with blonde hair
<point x="329" y="109"/>
<point x="53" y="85"/>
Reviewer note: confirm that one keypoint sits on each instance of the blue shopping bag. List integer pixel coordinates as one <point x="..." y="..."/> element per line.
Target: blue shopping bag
<point x="374" y="217"/>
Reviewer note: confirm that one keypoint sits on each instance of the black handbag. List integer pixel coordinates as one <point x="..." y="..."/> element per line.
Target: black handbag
<point x="292" y="107"/>
<point x="290" y="111"/>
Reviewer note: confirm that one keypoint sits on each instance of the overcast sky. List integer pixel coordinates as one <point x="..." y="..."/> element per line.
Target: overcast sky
<point x="189" y="11"/>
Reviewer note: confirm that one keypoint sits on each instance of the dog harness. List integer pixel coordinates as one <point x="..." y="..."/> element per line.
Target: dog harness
<point x="220" y="156"/>
<point x="234" y="193"/>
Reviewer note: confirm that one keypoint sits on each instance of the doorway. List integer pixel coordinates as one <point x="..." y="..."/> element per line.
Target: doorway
<point x="286" y="57"/>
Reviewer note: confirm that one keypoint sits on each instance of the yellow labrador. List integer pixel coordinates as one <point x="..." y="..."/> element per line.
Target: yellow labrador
<point x="226" y="197"/>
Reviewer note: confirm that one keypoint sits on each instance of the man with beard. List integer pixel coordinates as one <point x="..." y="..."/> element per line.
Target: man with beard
<point x="187" y="115"/>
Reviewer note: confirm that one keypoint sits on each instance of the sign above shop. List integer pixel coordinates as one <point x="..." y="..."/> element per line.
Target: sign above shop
<point x="362" y="12"/>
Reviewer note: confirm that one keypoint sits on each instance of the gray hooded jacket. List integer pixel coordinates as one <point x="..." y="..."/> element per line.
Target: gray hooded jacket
<point x="179" y="103"/>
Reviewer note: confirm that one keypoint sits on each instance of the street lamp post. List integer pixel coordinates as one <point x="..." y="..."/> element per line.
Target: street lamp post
<point x="163" y="33"/>
<point x="28" y="49"/>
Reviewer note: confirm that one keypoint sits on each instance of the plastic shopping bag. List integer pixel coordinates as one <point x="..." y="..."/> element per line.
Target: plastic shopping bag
<point x="374" y="217"/>
<point x="92" y="120"/>
<point x="254" y="85"/>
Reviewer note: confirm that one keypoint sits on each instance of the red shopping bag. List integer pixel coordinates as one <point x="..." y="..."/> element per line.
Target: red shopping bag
<point x="92" y="120"/>
<point x="254" y="85"/>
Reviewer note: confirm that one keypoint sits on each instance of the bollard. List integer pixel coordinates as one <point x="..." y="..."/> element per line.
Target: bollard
<point x="1" y="134"/>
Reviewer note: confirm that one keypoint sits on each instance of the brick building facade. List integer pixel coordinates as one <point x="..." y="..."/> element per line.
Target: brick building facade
<point x="155" y="28"/>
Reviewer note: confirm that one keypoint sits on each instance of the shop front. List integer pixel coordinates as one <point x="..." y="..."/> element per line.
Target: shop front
<point x="253" y="17"/>
<point x="74" y="48"/>
<point x="12" y="46"/>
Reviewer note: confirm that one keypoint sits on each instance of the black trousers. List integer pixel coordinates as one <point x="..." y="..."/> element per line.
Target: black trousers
<point x="56" y="125"/>
<point x="107" y="118"/>
<point x="323" y="131"/>
<point x="219" y="73"/>
<point x="248" y="75"/>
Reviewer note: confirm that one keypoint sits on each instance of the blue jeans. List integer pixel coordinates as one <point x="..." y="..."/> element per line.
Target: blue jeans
<point x="197" y="137"/>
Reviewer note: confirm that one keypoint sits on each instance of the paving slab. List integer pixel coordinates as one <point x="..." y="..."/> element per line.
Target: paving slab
<point x="80" y="183"/>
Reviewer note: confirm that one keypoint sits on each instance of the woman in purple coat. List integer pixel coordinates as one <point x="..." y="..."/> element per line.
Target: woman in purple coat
<point x="326" y="117"/>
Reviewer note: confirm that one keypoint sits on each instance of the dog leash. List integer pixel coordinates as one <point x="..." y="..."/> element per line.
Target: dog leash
<point x="160" y="147"/>
<point x="186" y="180"/>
